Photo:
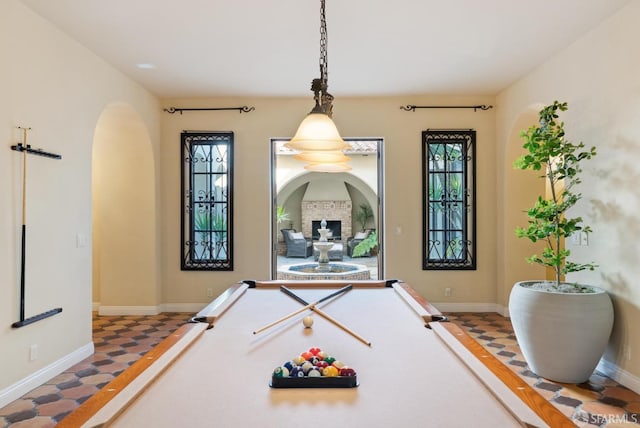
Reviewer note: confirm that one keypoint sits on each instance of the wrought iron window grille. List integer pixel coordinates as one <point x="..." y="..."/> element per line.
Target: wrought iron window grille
<point x="449" y="208"/>
<point x="207" y="201"/>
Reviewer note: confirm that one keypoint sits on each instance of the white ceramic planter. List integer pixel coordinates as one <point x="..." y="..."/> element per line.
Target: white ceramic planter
<point x="562" y="335"/>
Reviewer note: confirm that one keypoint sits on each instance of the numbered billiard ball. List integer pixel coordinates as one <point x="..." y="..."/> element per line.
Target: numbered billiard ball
<point x="296" y="372"/>
<point x="330" y="371"/>
<point x="281" y="372"/>
<point x="338" y="364"/>
<point x="347" y="371"/>
<point x="321" y="364"/>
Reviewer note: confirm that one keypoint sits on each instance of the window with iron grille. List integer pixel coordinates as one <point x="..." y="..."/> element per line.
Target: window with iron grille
<point x="448" y="189"/>
<point x="207" y="201"/>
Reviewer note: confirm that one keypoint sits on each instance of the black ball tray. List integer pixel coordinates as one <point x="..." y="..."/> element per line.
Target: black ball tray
<point x="314" y="382"/>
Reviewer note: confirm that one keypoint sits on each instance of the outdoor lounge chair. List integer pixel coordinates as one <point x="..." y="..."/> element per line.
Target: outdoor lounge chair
<point x="297" y="245"/>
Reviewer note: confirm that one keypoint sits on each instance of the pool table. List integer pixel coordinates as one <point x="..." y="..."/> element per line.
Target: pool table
<point x="412" y="370"/>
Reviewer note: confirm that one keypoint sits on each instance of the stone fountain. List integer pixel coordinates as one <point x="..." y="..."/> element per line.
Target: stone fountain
<point x="323" y="246"/>
<point x="323" y="270"/>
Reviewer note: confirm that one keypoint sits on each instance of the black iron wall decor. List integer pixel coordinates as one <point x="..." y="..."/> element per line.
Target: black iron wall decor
<point x="26" y="149"/>
<point x="243" y="109"/>
<point x="448" y="191"/>
<point x="411" y="107"/>
<point x="207" y="201"/>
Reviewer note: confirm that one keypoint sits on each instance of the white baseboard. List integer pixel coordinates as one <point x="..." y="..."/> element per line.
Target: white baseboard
<point x="470" y="307"/>
<point x="95" y="306"/>
<point x="129" y="310"/>
<point x="34" y="380"/>
<point x="621" y="376"/>
<point x="193" y="308"/>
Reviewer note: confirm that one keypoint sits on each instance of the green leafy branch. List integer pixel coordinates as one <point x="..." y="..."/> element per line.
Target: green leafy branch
<point x="548" y="151"/>
<point x="366" y="245"/>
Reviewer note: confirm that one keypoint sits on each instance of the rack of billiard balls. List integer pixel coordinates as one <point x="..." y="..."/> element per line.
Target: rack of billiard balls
<point x="314" y="369"/>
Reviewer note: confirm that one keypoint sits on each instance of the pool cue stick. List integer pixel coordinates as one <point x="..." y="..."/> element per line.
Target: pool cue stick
<point x="24" y="220"/>
<point x="342" y="326"/>
<point x="284" y="318"/>
<point x="325" y="315"/>
<point x="309" y="306"/>
<point x="290" y="293"/>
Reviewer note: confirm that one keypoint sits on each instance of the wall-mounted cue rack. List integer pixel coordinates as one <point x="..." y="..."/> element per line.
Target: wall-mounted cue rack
<point x="26" y="149"/>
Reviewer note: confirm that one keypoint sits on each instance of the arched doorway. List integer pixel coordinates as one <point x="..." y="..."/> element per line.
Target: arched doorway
<point x="125" y="250"/>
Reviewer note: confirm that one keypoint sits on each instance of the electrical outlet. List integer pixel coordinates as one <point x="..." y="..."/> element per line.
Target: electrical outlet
<point x="33" y="352"/>
<point x="81" y="240"/>
<point x="209" y="292"/>
<point x="447" y="292"/>
<point x="576" y="239"/>
<point x="626" y="351"/>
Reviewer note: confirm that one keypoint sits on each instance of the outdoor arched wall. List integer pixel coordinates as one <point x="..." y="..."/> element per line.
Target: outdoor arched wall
<point x="124" y="216"/>
<point x="520" y="190"/>
<point x="372" y="198"/>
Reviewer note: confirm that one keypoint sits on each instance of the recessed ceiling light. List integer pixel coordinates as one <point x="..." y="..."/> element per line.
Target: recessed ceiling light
<point x="146" y="66"/>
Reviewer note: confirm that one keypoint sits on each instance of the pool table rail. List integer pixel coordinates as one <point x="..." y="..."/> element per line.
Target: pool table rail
<point x="112" y="399"/>
<point x="107" y="403"/>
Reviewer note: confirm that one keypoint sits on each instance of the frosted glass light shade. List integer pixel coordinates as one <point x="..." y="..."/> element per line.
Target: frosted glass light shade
<point x="328" y="167"/>
<point x="317" y="132"/>
<point x="322" y="157"/>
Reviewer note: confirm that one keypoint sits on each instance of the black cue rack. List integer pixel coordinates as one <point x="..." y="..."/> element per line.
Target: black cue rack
<point x="26" y="149"/>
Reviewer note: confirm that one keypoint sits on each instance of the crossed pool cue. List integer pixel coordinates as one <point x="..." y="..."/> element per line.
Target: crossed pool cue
<point x="312" y="307"/>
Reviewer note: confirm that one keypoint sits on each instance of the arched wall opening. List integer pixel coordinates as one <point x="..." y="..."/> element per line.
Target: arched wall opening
<point x="520" y="190"/>
<point x="125" y="250"/>
<point x="291" y="193"/>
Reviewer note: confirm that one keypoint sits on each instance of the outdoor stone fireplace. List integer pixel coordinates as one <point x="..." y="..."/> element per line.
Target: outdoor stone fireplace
<point x="326" y="198"/>
<point x="337" y="211"/>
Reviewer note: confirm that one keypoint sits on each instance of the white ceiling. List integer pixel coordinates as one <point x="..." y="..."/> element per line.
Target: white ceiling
<point x="203" y="48"/>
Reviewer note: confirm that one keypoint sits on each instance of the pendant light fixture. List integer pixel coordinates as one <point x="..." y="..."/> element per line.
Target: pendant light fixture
<point x="317" y="138"/>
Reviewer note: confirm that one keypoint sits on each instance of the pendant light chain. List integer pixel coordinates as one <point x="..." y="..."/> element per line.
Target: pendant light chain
<point x="323" y="45"/>
<point x="326" y="99"/>
<point x="317" y="140"/>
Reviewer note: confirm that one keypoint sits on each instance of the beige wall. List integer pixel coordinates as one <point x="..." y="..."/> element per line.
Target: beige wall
<point x="59" y="88"/>
<point x="363" y="117"/>
<point x="599" y="76"/>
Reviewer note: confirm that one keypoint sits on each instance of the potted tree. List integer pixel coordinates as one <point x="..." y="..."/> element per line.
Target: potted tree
<point x="561" y="327"/>
<point x="364" y="215"/>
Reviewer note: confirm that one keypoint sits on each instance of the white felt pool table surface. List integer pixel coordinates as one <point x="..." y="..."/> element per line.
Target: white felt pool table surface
<point x="410" y="376"/>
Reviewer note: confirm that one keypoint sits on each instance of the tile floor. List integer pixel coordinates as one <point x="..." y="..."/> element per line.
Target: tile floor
<point x="119" y="341"/>
<point x="599" y="402"/>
